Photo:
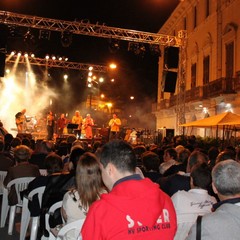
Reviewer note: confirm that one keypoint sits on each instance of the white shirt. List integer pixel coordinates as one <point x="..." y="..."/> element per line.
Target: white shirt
<point x="188" y="205"/>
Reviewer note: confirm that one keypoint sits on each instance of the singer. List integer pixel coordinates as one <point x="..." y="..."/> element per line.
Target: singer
<point x="114" y="125"/>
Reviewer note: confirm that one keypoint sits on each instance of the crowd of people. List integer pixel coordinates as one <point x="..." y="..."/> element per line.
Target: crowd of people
<point x="127" y="190"/>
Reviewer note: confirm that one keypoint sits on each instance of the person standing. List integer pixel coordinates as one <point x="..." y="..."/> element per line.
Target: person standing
<point x="50" y="125"/>
<point x="135" y="207"/>
<point x="20" y="120"/>
<point x="87" y="126"/>
<point x="61" y="124"/>
<point x="77" y="119"/>
<point x="114" y="125"/>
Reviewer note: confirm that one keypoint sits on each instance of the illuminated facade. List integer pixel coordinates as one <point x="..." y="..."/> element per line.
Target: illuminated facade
<point x="212" y="65"/>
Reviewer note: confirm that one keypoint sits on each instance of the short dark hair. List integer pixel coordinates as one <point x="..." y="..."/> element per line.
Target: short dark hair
<point x="22" y="153"/>
<point x="53" y="163"/>
<point x="120" y="154"/>
<point x="201" y="176"/>
<point x="150" y="161"/>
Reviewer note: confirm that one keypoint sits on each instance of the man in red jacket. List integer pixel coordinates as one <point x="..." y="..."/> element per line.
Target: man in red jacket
<point x="135" y="208"/>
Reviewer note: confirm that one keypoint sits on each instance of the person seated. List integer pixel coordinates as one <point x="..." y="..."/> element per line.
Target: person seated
<point x="57" y="185"/>
<point x="181" y="181"/>
<point x="170" y="158"/>
<point x="151" y="164"/>
<point x="22" y="168"/>
<point x="89" y="187"/>
<point x="183" y="156"/>
<point x="224" y="221"/>
<point x="196" y="201"/>
<point x="42" y="150"/>
<point x="134" y="208"/>
<point x="5" y="161"/>
<point x="54" y="166"/>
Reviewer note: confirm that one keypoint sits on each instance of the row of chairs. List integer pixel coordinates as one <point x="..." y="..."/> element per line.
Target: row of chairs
<point x="20" y="185"/>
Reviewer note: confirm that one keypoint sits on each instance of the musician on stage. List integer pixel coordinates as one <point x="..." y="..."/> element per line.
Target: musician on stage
<point x="77" y="119"/>
<point x="87" y="126"/>
<point x="50" y="125"/>
<point x="20" y="120"/>
<point x="114" y="125"/>
<point x="61" y="124"/>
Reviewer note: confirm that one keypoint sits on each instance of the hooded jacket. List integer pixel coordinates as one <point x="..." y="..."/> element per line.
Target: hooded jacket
<point x="134" y="209"/>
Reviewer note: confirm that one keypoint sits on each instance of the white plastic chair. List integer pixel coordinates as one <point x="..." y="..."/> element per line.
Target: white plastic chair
<point x="74" y="227"/>
<point x="20" y="185"/>
<point x="2" y="176"/>
<point x="51" y="210"/>
<point x="25" y="218"/>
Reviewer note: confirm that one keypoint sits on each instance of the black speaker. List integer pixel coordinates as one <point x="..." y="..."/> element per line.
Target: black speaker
<point x="3" y="35"/>
<point x="171" y="57"/>
<point x="2" y="64"/>
<point x="169" y="81"/>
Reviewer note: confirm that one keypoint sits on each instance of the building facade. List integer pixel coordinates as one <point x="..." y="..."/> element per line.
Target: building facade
<point x="207" y="77"/>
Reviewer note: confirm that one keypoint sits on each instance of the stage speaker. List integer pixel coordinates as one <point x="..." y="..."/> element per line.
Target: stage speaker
<point x="169" y="81"/>
<point x="2" y="64"/>
<point x="171" y="57"/>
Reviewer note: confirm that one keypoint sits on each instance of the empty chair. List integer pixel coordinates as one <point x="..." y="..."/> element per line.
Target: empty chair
<point x="20" y="185"/>
<point x="74" y="227"/>
<point x="25" y="218"/>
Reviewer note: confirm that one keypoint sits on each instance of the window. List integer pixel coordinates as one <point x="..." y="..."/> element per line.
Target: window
<point x="229" y="59"/>
<point x="206" y="67"/>
<point x="195" y="17"/>
<point x="194" y="75"/>
<point x="185" y="23"/>
<point x="207" y="8"/>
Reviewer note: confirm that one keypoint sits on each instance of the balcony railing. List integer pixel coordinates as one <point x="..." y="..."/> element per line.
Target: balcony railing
<point x="210" y="90"/>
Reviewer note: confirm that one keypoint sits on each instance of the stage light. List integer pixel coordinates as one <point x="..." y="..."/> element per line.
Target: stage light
<point x="13" y="53"/>
<point x="44" y="34"/>
<point x="29" y="37"/>
<point x="19" y="54"/>
<point x="101" y="79"/>
<point x="114" y="45"/>
<point x="60" y="58"/>
<point x="155" y="50"/>
<point x="25" y="55"/>
<point x="32" y="55"/>
<point x="53" y="58"/>
<point x="90" y="68"/>
<point x="66" y="38"/>
<point x="47" y="57"/>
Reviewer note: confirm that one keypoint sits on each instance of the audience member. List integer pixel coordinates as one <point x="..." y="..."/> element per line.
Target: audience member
<point x="5" y="161"/>
<point x="180" y="181"/>
<point x="170" y="158"/>
<point x="42" y="150"/>
<point x="151" y="164"/>
<point x="135" y="208"/>
<point x="54" y="166"/>
<point x="212" y="155"/>
<point x="196" y="201"/>
<point x="89" y="187"/>
<point x="183" y="156"/>
<point x="23" y="168"/>
<point x="224" y="222"/>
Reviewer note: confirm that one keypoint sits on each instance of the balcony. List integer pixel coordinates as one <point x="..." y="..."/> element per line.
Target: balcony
<point x="213" y="89"/>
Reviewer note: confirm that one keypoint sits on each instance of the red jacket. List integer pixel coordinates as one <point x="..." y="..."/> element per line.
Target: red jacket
<point x="134" y="209"/>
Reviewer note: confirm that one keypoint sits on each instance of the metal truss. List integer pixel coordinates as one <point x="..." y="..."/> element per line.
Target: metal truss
<point x="86" y="28"/>
<point x="50" y="63"/>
